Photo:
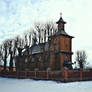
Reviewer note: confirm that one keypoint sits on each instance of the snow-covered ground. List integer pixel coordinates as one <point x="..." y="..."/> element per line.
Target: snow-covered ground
<point x="28" y="85"/>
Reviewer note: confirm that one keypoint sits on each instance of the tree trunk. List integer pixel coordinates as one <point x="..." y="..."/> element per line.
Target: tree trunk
<point x="11" y="62"/>
<point x="5" y="61"/>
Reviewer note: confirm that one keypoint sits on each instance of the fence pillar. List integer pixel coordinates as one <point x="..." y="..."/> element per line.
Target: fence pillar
<point x="47" y="73"/>
<point x="36" y="69"/>
<point x="65" y="74"/>
<point x="81" y="75"/>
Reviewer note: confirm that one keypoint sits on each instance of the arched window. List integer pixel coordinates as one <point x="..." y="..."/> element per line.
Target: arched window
<point x="65" y="61"/>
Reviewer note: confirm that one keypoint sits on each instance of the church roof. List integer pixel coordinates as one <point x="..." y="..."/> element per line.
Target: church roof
<point x="60" y="21"/>
<point x="36" y="49"/>
<point x="63" y="33"/>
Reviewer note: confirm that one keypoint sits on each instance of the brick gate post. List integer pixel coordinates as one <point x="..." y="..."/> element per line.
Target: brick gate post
<point x="65" y="74"/>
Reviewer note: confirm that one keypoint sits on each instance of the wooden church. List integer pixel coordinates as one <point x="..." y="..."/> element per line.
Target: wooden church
<point x="54" y="54"/>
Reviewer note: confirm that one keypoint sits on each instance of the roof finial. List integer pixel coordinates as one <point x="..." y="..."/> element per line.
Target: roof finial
<point x="60" y="14"/>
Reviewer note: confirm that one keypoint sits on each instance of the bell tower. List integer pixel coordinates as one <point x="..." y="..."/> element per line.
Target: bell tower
<point x="62" y="45"/>
<point x="65" y="43"/>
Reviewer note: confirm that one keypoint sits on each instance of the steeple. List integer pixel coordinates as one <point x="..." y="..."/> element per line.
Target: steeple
<point x="61" y="23"/>
<point x="61" y="27"/>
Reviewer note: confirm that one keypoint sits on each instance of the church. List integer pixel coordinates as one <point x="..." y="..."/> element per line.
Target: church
<point x="53" y="55"/>
<point x="50" y="60"/>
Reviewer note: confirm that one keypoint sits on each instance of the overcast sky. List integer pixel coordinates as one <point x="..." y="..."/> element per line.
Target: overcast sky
<point x="19" y="15"/>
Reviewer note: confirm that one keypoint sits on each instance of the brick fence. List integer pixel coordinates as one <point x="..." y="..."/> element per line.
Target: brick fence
<point x="77" y="75"/>
<point x="42" y="75"/>
<point x="65" y="75"/>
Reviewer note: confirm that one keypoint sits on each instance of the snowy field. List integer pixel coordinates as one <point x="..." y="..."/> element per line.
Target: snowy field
<point x="28" y="85"/>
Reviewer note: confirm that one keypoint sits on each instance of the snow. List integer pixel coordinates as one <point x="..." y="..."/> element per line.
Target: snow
<point x="28" y="85"/>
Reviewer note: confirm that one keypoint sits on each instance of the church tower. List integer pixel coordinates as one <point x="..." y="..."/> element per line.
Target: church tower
<point x="62" y="45"/>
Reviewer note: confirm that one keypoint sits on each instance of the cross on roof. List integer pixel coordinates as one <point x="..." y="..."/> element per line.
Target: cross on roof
<point x="60" y="14"/>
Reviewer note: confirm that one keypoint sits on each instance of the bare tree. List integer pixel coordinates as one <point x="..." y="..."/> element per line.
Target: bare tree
<point x="19" y="44"/>
<point x="38" y="29"/>
<point x="81" y="58"/>
<point x="45" y="30"/>
<point x="1" y="54"/>
<point x="34" y="38"/>
<point x="7" y="48"/>
<point x="12" y="52"/>
<point x="30" y="38"/>
<point x="50" y="29"/>
<point x="5" y="52"/>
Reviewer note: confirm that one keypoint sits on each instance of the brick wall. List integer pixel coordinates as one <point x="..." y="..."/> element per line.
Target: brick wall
<point x="76" y="75"/>
<point x="65" y="76"/>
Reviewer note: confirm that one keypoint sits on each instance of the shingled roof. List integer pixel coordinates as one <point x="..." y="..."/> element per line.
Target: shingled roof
<point x="36" y="49"/>
<point x="63" y="33"/>
<point x="60" y="21"/>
